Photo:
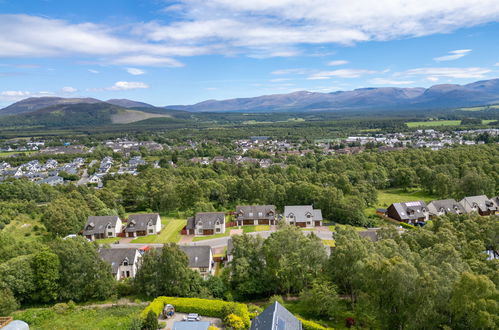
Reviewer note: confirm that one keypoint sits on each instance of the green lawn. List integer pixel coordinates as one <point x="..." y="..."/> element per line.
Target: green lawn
<point x="109" y="240"/>
<point x="413" y="124"/>
<point x="389" y="196"/>
<point x="11" y="153"/>
<point x="250" y="229"/>
<point x="81" y="318"/>
<point x="480" y="108"/>
<point x="202" y="238"/>
<point x="487" y="121"/>
<point x="169" y="234"/>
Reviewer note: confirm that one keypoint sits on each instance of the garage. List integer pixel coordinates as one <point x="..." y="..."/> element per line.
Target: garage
<point x="263" y="221"/>
<point x="301" y="224"/>
<point x="208" y="232"/>
<point x="247" y="222"/>
<point x="317" y="223"/>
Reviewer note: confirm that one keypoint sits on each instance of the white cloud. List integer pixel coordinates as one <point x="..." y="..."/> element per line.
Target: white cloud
<point x="69" y="89"/>
<point x="455" y="54"/>
<point x="15" y="93"/>
<point x="279" y="80"/>
<point x="497" y="64"/>
<point x="458" y="73"/>
<point x="128" y="85"/>
<point x="337" y="62"/>
<point x="135" y="71"/>
<point x="14" y="96"/>
<point x="432" y="79"/>
<point x="341" y="73"/>
<point x="291" y="71"/>
<point x="93" y="71"/>
<point x="383" y="81"/>
<point x="147" y="60"/>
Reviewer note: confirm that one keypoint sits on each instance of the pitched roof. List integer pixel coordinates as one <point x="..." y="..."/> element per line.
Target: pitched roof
<point x="116" y="256"/>
<point x="207" y="219"/>
<point x="482" y="202"/>
<point x="200" y="325"/>
<point x="276" y="317"/>
<point x="371" y="233"/>
<point x="410" y="210"/>
<point x="300" y="212"/>
<point x="446" y="206"/>
<point x="98" y="224"/>
<point x="138" y="222"/>
<point x="199" y="255"/>
<point x="255" y="212"/>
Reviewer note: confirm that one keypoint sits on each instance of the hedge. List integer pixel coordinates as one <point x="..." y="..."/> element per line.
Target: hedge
<point x="311" y="325"/>
<point x="407" y="226"/>
<point x="205" y="307"/>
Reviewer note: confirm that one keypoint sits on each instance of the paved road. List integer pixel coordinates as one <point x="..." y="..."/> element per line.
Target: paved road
<point x="84" y="178"/>
<point x="222" y="241"/>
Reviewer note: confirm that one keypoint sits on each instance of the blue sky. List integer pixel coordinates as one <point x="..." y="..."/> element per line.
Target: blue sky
<point x="183" y="52"/>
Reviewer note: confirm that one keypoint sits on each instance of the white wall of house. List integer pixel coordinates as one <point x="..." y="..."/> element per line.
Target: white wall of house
<point x="114" y="231"/>
<point x="155" y="228"/>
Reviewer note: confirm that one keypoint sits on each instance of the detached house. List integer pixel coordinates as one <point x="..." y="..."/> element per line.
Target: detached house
<point x="255" y="215"/>
<point x="200" y="259"/>
<point x="276" y="317"/>
<point x="124" y="262"/>
<point x="481" y="204"/>
<point x="102" y="227"/>
<point x="143" y="224"/>
<point x="445" y="206"/>
<point x="409" y="212"/>
<point x="206" y="223"/>
<point x="303" y="216"/>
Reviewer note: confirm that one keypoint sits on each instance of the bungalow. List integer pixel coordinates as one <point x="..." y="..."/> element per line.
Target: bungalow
<point x="102" y="227"/>
<point x="52" y="180"/>
<point x="124" y="262"/>
<point x="495" y="200"/>
<point x="255" y="215"/>
<point x="445" y="206"/>
<point x="276" y="317"/>
<point x="143" y="225"/>
<point x="200" y="259"/>
<point x="303" y="216"/>
<point x="206" y="223"/>
<point x="409" y="212"/>
<point x="481" y="204"/>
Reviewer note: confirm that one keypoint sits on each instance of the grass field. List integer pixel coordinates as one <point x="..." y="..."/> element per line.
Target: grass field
<point x="11" y="153"/>
<point x="169" y="234"/>
<point x="389" y="196"/>
<point x="203" y="238"/>
<point x="496" y="106"/>
<point x="435" y="123"/>
<point x="109" y="240"/>
<point x="250" y="229"/>
<point x="81" y="318"/>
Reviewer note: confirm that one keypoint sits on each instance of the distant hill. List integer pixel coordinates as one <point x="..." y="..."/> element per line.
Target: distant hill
<point x="35" y="103"/>
<point x="125" y="103"/>
<point x="435" y="97"/>
<point x="78" y="115"/>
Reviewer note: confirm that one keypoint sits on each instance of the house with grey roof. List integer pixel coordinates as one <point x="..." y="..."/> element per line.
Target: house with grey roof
<point x="255" y="215"/>
<point x="98" y="227"/>
<point x="199" y="325"/>
<point x="206" y="223"/>
<point x="124" y="262"/>
<point x="276" y="317"/>
<point x="52" y="180"/>
<point x="409" y="212"/>
<point x="445" y="206"/>
<point x="480" y="204"/>
<point x="200" y="258"/>
<point x="495" y="200"/>
<point x="143" y="224"/>
<point x="303" y="216"/>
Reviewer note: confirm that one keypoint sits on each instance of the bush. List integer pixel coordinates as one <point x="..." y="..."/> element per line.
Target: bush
<point x="235" y="322"/>
<point x="8" y="302"/>
<point x="239" y="310"/>
<point x="311" y="325"/>
<point x="275" y="298"/>
<point x="151" y="321"/>
<point x="407" y="226"/>
<point x="60" y="308"/>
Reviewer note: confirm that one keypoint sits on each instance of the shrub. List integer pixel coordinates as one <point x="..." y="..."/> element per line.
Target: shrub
<point x="239" y="310"/>
<point x="407" y="226"/>
<point x="311" y="325"/>
<point x="275" y="298"/>
<point x="8" y="302"/>
<point x="60" y="308"/>
<point x="235" y="322"/>
<point x="151" y="321"/>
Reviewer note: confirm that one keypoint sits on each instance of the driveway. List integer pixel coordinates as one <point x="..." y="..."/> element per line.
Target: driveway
<point x="180" y="316"/>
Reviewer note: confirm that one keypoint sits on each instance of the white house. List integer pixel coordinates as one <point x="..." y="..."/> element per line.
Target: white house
<point x="98" y="227"/>
<point x="206" y="223"/>
<point x="125" y="262"/>
<point x="143" y="224"/>
<point x="303" y="216"/>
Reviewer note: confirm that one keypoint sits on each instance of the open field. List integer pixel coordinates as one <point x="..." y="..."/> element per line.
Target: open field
<point x="496" y="106"/>
<point x="389" y="196"/>
<point x="81" y="318"/>
<point x="12" y="153"/>
<point x="169" y="234"/>
<point x="131" y="116"/>
<point x="436" y="123"/>
<point x="250" y="229"/>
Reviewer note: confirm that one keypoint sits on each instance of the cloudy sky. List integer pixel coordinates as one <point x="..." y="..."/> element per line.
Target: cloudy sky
<point x="182" y="52"/>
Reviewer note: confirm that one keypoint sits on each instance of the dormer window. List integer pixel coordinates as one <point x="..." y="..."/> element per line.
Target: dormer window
<point x="250" y="214"/>
<point x="260" y="214"/>
<point x="125" y="262"/>
<point x="200" y="224"/>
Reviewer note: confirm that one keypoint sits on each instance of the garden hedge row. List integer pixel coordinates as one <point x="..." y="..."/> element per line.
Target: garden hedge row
<point x="311" y="325"/>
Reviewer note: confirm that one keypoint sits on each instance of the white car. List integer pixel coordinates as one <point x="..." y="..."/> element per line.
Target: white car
<point x="192" y="317"/>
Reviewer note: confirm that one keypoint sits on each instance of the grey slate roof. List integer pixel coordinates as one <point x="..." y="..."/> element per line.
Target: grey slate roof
<point x="98" y="224"/>
<point x="208" y="220"/>
<point x="199" y="255"/>
<point x="116" y="256"/>
<point x="201" y="325"/>
<point x="446" y="206"/>
<point x="301" y="211"/>
<point x="138" y="222"/>
<point x="409" y="210"/>
<point x="371" y="233"/>
<point x="482" y="201"/>
<point x="276" y="317"/>
<point x="251" y="212"/>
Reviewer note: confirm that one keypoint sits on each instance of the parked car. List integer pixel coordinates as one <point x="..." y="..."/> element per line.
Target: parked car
<point x="192" y="317"/>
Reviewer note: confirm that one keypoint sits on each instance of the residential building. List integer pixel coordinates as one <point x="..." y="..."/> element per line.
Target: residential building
<point x="143" y="224"/>
<point x="199" y="325"/>
<point x="445" y="206"/>
<point x="303" y="216"/>
<point x="124" y="262"/>
<point x="480" y="204"/>
<point x="255" y="215"/>
<point x="206" y="223"/>
<point x="409" y="212"/>
<point x="98" y="227"/>
<point x="200" y="259"/>
<point x="276" y="317"/>
<point x="52" y="180"/>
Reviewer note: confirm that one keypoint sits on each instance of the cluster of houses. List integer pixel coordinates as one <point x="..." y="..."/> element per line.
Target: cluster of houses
<point x="39" y="172"/>
<point x="99" y="227"/>
<point x="418" y="212"/>
<point x="211" y="223"/>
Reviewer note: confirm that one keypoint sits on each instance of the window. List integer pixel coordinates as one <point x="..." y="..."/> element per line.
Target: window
<point x="260" y="214"/>
<point x="127" y="273"/>
<point x="109" y="234"/>
<point x="125" y="262"/>
<point x="250" y="214"/>
<point x="217" y="230"/>
<point x="151" y="231"/>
